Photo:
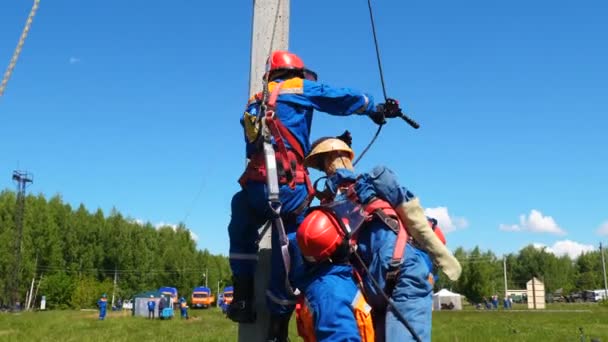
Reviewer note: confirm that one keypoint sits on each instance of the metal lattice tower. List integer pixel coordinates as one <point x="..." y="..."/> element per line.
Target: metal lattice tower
<point x="22" y="179"/>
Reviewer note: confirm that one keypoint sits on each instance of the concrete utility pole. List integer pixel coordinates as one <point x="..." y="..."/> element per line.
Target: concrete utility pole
<point x="114" y="288"/>
<point x="217" y="295"/>
<point x="31" y="291"/>
<point x="604" y="269"/>
<point x="504" y="268"/>
<point x="270" y="31"/>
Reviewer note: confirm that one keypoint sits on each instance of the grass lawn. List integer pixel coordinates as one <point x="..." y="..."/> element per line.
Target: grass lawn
<point x="557" y="323"/>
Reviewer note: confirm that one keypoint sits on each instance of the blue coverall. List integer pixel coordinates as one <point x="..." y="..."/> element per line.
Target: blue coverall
<point x="249" y="207"/>
<point x="151" y="307"/>
<point x="330" y="292"/>
<point x="103" y="305"/>
<point x="183" y="307"/>
<point x="412" y="293"/>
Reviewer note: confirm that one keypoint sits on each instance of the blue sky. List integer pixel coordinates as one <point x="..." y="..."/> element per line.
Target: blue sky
<point x="136" y="105"/>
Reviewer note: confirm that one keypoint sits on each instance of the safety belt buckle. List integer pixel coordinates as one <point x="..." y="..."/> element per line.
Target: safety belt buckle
<point x="390" y="222"/>
<point x="393" y="270"/>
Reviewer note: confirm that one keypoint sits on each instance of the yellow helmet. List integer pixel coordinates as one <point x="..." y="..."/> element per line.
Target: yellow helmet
<point x="323" y="146"/>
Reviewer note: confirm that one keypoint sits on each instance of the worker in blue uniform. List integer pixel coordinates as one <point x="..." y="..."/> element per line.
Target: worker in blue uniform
<point x="183" y="307"/>
<point x="102" y="303"/>
<point x="151" y="307"/>
<point x="334" y="308"/>
<point x="297" y="95"/>
<point x="377" y="242"/>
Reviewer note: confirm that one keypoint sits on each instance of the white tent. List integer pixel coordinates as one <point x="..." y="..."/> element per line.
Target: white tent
<point x="446" y="300"/>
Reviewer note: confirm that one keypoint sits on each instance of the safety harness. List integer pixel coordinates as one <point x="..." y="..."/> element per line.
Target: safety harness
<point x="282" y="166"/>
<point x="382" y="210"/>
<point x="290" y="166"/>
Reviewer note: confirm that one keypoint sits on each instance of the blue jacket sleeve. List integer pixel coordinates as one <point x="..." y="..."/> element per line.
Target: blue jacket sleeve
<point x="338" y="101"/>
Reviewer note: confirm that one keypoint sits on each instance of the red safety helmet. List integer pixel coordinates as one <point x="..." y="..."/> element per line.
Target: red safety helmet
<point x="320" y="235"/>
<point x="437" y="229"/>
<point x="439" y="234"/>
<point x="285" y="60"/>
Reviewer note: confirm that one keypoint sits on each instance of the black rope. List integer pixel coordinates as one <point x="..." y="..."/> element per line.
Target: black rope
<point x="371" y="16"/>
<point x="368" y="145"/>
<point x="390" y="302"/>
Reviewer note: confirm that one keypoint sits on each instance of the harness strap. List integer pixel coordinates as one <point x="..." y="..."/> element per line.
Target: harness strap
<point x="278" y="139"/>
<point x="387" y="214"/>
<point x="281" y="134"/>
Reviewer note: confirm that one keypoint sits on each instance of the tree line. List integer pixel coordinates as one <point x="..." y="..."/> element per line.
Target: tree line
<point x="74" y="254"/>
<point x="483" y="272"/>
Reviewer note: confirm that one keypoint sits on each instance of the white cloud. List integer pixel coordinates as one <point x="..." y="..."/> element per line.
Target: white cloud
<point x="536" y="222"/>
<point x="444" y="220"/>
<point x="566" y="247"/>
<point x="74" y="60"/>
<point x="194" y="236"/>
<point x="174" y="227"/>
<point x="162" y="224"/>
<point x="603" y="229"/>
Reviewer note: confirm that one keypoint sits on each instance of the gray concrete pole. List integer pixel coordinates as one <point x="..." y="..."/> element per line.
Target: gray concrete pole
<point x="604" y="270"/>
<point x="262" y="40"/>
<point x="264" y="23"/>
<point x="504" y="268"/>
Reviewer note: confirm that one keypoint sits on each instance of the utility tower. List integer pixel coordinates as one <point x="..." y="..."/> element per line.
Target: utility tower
<point x="270" y="31"/>
<point x="22" y="178"/>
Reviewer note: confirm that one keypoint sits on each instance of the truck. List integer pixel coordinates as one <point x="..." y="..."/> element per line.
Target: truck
<point x="226" y="298"/>
<point x="202" y="297"/>
<point x="595" y="295"/>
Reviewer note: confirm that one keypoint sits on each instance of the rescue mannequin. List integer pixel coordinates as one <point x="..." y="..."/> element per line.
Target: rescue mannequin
<point x="378" y="241"/>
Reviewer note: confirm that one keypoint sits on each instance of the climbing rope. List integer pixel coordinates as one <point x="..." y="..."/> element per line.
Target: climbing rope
<point x="371" y="17"/>
<point x="411" y="122"/>
<point x="13" y="62"/>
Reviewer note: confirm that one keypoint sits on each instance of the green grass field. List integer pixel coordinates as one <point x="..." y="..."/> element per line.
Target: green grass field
<point x="557" y="323"/>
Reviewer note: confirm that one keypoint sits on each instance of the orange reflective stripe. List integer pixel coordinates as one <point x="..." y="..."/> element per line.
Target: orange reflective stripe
<point x="363" y="316"/>
<point x="290" y="86"/>
<point x="304" y="321"/>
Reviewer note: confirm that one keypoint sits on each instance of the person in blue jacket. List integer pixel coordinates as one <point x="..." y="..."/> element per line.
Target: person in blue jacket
<point x="102" y="303"/>
<point x="411" y="290"/>
<point x="298" y="94"/>
<point x="151" y="307"/>
<point x="183" y="307"/>
<point x="334" y="308"/>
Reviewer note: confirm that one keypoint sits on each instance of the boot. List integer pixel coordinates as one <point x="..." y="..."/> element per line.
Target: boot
<point x="241" y="309"/>
<point x="278" y="329"/>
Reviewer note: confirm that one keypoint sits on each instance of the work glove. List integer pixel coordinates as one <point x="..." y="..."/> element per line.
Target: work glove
<point x="390" y="109"/>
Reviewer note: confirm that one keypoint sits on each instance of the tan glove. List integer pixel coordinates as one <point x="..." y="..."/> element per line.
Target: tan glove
<point x="412" y="215"/>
